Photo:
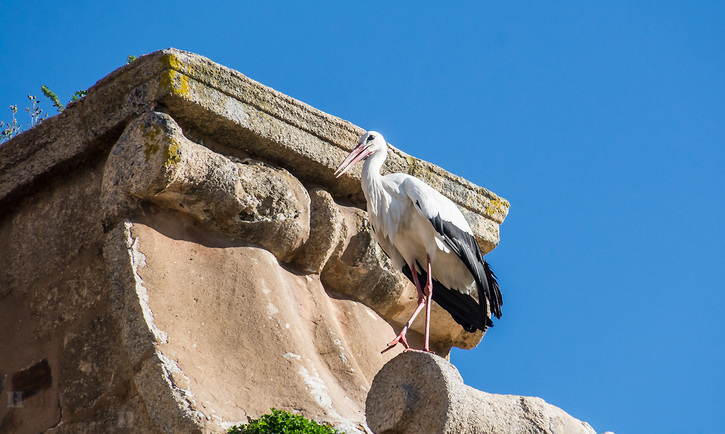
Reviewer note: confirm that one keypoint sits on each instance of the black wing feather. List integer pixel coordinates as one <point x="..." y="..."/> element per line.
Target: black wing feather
<point x="465" y="246"/>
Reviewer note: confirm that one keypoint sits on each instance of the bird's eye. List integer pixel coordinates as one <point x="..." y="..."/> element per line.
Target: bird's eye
<point x="371" y="138"/>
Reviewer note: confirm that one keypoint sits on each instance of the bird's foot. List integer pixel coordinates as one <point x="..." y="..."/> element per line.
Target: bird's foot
<point x="420" y="351"/>
<point x="398" y="339"/>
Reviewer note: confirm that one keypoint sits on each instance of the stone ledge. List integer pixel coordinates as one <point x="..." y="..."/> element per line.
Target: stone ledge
<point x="237" y="112"/>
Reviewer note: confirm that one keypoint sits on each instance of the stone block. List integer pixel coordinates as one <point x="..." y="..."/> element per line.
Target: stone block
<point x="422" y="393"/>
<point x="153" y="161"/>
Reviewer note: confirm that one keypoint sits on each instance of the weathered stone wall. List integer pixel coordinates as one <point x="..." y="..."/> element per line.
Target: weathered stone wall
<point x="177" y="257"/>
<point x="55" y="319"/>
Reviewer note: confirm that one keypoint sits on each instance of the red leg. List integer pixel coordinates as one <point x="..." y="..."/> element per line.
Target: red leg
<point x="429" y="300"/>
<point x="421" y="295"/>
<point x="401" y="335"/>
<point x="421" y="303"/>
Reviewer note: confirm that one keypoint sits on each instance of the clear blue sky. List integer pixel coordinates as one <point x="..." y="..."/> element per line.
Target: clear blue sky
<point x="603" y="123"/>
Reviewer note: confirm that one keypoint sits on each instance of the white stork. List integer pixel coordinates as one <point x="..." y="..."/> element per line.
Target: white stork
<point x="422" y="230"/>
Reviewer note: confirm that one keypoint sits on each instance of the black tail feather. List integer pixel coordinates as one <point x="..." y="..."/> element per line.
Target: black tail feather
<point x="465" y="246"/>
<point x="497" y="300"/>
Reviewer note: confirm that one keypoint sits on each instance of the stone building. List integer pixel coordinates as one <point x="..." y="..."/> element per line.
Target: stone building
<point x="176" y="256"/>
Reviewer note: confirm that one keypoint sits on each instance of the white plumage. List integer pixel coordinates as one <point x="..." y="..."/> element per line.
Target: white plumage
<point x="421" y="229"/>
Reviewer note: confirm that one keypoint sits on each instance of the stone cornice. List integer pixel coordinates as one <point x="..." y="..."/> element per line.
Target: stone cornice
<point x="231" y="110"/>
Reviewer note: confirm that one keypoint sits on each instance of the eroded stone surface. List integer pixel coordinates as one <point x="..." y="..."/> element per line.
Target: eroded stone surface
<point x="328" y="231"/>
<point x="55" y="308"/>
<point x="422" y="393"/>
<point x="154" y="161"/>
<point x="250" y="337"/>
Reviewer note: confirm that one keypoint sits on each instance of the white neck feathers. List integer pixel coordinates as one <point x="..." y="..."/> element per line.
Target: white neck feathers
<point x="372" y="181"/>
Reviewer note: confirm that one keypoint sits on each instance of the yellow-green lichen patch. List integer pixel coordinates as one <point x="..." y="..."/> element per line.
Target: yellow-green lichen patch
<point x="417" y="169"/>
<point x="150" y="149"/>
<point x="171" y="61"/>
<point x="172" y="153"/>
<point x="174" y="82"/>
<point x="151" y="145"/>
<point x="411" y="163"/>
<point x="497" y="206"/>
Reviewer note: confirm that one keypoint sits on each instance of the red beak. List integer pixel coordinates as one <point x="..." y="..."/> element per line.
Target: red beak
<point x="359" y="153"/>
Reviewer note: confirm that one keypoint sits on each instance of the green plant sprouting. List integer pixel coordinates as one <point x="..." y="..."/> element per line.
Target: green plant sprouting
<point x="36" y="113"/>
<point x="53" y="98"/>
<point x="13" y="128"/>
<point x="78" y="95"/>
<point x="56" y="101"/>
<point x="280" y="421"/>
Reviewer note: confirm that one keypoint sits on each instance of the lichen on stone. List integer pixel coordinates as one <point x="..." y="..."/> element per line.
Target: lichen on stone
<point x="496" y="206"/>
<point x="150" y="143"/>
<point x="172" y="153"/>
<point x="174" y="82"/>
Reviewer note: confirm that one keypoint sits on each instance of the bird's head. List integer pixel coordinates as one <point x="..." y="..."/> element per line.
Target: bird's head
<point x="370" y="143"/>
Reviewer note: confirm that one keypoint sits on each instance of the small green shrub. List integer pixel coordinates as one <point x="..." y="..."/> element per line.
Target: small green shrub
<point x="78" y="95"/>
<point x="282" y="422"/>
<point x="37" y="116"/>
<point x="13" y="128"/>
<point x="52" y="97"/>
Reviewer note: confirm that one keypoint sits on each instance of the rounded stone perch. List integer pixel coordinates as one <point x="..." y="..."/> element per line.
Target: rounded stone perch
<point x="418" y="392"/>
